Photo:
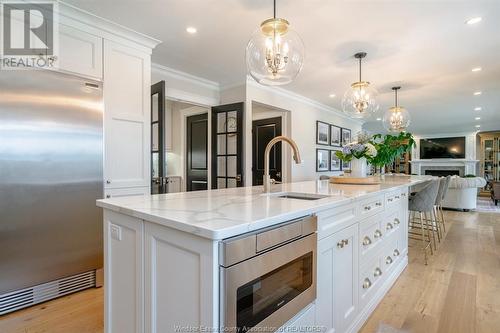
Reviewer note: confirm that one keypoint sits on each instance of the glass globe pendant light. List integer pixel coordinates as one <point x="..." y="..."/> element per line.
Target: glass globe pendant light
<point x="360" y="100"/>
<point x="275" y="53"/>
<point x="396" y="119"/>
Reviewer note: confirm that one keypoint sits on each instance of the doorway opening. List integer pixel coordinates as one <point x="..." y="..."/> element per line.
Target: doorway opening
<point x="267" y="123"/>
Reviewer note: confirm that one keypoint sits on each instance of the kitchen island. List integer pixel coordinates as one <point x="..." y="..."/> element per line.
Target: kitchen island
<point x="164" y="258"/>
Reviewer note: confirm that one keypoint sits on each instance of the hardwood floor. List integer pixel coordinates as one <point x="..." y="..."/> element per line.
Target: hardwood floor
<point x="458" y="292"/>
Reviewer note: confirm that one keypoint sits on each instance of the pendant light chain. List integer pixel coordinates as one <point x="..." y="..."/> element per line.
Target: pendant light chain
<point x="274" y="11"/>
<point x="360" y="69"/>
<point x="396" y="97"/>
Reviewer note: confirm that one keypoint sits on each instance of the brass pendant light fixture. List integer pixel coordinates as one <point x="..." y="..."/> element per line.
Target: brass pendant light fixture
<point x="396" y="119"/>
<point x="275" y="53"/>
<point x="360" y="100"/>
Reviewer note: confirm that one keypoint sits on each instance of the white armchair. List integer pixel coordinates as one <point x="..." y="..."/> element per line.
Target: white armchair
<point x="462" y="193"/>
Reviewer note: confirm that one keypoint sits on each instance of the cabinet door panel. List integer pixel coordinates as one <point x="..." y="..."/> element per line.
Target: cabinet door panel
<point x="79" y="52"/>
<point x="127" y="80"/>
<point x="337" y="301"/>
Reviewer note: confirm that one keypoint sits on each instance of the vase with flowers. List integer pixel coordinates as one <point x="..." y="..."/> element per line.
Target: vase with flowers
<point x="359" y="153"/>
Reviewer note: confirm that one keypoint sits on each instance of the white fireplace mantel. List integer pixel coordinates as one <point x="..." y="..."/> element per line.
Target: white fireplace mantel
<point x="469" y="165"/>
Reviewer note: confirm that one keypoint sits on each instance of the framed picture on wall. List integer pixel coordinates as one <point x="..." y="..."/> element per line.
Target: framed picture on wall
<point x="335" y="136"/>
<point x="346" y="136"/>
<point x="335" y="162"/>
<point x="322" y="160"/>
<point x="322" y="133"/>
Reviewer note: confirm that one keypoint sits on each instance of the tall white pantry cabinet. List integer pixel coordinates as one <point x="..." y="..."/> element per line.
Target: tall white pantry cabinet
<point x="120" y="58"/>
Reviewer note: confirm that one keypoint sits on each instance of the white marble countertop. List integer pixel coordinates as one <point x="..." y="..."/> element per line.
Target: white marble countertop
<point x="219" y="214"/>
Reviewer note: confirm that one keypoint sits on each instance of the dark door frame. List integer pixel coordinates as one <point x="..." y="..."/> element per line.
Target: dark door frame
<point x="277" y="149"/>
<point x="239" y="108"/>
<point x="159" y="88"/>
<point x="203" y="117"/>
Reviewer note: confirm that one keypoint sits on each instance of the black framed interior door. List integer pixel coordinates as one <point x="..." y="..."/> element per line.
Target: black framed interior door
<point x="227" y="146"/>
<point x="158" y="162"/>
<point x="263" y="131"/>
<point x="197" y="152"/>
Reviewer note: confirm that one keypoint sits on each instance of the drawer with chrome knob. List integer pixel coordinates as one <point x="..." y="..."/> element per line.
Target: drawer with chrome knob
<point x="342" y="243"/>
<point x="396" y="253"/>
<point x="367" y="283"/>
<point x="377" y="234"/>
<point x="367" y="241"/>
<point x="377" y="272"/>
<point x="388" y="260"/>
<point x="389" y="226"/>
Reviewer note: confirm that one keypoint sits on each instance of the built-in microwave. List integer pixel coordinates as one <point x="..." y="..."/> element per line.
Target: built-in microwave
<point x="267" y="276"/>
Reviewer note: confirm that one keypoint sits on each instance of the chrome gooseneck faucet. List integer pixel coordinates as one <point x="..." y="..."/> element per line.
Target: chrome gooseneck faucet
<point x="296" y="158"/>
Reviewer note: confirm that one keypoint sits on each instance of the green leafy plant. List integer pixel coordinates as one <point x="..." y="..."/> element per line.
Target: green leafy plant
<point x="469" y="176"/>
<point x="391" y="146"/>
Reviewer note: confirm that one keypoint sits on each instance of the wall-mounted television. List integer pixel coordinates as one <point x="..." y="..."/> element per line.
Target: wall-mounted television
<point x="442" y="148"/>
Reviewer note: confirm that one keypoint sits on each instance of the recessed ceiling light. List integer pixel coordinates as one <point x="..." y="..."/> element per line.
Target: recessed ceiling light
<point x="331" y="95"/>
<point x="191" y="30"/>
<point x="473" y="20"/>
<point x="477" y="93"/>
<point x="477" y="126"/>
<point x="478" y="108"/>
<point x="477" y="118"/>
<point x="477" y="69"/>
<point x="379" y="119"/>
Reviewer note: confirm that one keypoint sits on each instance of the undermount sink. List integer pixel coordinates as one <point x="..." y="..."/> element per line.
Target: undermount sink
<point x="300" y="196"/>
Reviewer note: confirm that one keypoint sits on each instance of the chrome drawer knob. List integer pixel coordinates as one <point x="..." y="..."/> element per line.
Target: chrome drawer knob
<point x="396" y="253"/>
<point x="377" y="272"/>
<point x="397" y="196"/>
<point x="368" y="207"/>
<point x="378" y="204"/>
<point x="390" y="199"/>
<point x="396" y="221"/>
<point x="388" y="260"/>
<point x="342" y="243"/>
<point x="367" y="283"/>
<point x="367" y="241"/>
<point x="108" y="181"/>
<point x="389" y="226"/>
<point x="377" y="234"/>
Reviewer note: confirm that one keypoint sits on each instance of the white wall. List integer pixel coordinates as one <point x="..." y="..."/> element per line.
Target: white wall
<point x="470" y="143"/>
<point x="303" y="113"/>
<point x="185" y="87"/>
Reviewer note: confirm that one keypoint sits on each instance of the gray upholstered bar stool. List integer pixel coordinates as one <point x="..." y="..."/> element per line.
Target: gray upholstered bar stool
<point x="438" y="209"/>
<point x="423" y="204"/>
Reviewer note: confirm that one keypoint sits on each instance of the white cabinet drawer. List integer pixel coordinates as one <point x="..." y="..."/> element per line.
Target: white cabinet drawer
<point x="80" y="52"/>
<point x="371" y="236"/>
<point x="394" y="198"/>
<point x="371" y="206"/>
<point x="370" y="278"/>
<point x="126" y="192"/>
<point x="392" y="224"/>
<point x="335" y="219"/>
<point x="391" y="255"/>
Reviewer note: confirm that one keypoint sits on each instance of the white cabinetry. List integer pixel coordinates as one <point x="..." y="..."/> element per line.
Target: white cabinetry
<point x="337" y="300"/>
<point x="127" y="77"/>
<point x="80" y="52"/>
<point x="123" y="273"/>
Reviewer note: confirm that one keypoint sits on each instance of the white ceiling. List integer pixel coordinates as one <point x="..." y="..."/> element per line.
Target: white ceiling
<point x="424" y="46"/>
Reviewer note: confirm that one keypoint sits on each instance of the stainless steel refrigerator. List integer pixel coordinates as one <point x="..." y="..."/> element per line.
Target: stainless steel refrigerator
<point x="51" y="161"/>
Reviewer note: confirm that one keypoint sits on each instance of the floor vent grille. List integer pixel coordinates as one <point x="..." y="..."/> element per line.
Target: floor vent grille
<point x="43" y="292"/>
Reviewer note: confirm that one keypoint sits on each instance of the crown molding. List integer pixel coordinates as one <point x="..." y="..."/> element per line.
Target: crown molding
<point x="300" y="98"/>
<point x="104" y="27"/>
<point x="176" y="74"/>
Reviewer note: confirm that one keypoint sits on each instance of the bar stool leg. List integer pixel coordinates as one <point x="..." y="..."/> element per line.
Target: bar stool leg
<point x="437" y="222"/>
<point x="429" y="227"/>
<point x="442" y="218"/>
<point x="424" y="247"/>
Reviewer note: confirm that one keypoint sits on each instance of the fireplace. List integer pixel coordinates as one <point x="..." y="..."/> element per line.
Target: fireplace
<point x="442" y="173"/>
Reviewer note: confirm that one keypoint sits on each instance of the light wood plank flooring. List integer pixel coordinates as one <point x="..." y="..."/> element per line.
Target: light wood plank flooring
<point x="458" y="292"/>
